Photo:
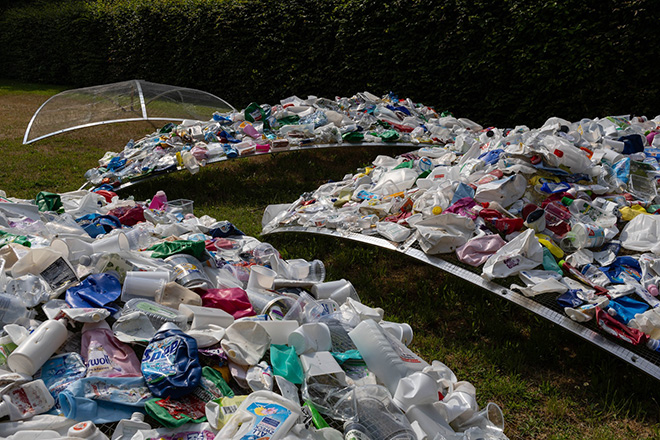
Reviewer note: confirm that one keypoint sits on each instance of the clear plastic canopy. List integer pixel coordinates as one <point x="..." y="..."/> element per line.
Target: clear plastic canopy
<point x="134" y="100"/>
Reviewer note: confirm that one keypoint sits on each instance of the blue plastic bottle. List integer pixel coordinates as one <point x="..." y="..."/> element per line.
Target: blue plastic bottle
<point x="170" y="363"/>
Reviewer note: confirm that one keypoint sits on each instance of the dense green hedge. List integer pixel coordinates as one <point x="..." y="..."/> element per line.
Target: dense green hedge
<point x="499" y="62"/>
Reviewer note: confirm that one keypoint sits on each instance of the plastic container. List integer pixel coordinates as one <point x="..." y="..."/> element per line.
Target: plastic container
<point x="26" y="400"/>
<point x="582" y="235"/>
<point x="189" y="271"/>
<point x="263" y="414"/>
<point x="35" y="350"/>
<point x="87" y="430"/>
<point x="170" y="364"/>
<point x="180" y="206"/>
<point x="105" y="355"/>
<point x="158" y="314"/>
<point x="389" y="361"/>
<point x="126" y="428"/>
<point x="11" y="309"/>
<point x="140" y="284"/>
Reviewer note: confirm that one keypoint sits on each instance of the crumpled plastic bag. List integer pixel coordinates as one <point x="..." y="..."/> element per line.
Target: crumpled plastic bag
<point x="478" y="249"/>
<point x="642" y="233"/>
<point x="522" y="253"/>
<point x="444" y="233"/>
<point x="540" y="281"/>
<point x="506" y="191"/>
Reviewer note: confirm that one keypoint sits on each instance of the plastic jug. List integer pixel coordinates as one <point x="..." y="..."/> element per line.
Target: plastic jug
<point x="263" y="414"/>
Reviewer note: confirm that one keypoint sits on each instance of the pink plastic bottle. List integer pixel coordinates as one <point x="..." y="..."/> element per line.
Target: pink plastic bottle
<point x="105" y="355"/>
<point x="159" y="201"/>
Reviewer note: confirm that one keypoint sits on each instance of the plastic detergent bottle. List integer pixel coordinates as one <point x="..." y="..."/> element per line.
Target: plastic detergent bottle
<point x="105" y="355"/>
<point x="262" y="415"/>
<point x="26" y="400"/>
<point x="170" y="363"/>
<point x="127" y="427"/>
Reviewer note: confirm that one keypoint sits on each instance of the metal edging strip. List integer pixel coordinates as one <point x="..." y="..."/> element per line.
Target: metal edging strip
<point x="503" y="292"/>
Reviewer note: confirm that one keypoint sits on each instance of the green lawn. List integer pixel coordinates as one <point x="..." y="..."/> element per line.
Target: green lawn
<point x="549" y="383"/>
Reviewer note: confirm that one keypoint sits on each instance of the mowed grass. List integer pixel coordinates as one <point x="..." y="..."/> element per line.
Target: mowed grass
<point x="549" y="383"/>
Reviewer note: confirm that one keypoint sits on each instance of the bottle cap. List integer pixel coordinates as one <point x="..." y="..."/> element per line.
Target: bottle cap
<point x="437" y="210"/>
<point x="567" y="201"/>
<point x="558" y="153"/>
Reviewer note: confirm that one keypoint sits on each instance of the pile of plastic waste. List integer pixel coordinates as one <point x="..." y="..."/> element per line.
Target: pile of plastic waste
<point x="567" y="208"/>
<point x="113" y="309"/>
<point x="294" y="123"/>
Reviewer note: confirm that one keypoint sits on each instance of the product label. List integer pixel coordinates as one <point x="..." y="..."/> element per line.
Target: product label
<point x="184" y="269"/>
<point x="20" y="398"/>
<point x="99" y="363"/>
<point x="58" y="274"/>
<point x="155" y="309"/>
<point x="188" y="405"/>
<point x="269" y="418"/>
<point x="101" y="390"/>
<point x="355" y="434"/>
<point x="159" y="358"/>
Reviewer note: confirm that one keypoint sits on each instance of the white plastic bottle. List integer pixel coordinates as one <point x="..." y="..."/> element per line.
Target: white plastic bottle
<point x="263" y="414"/>
<point x="35" y="350"/>
<point x="387" y="358"/>
<point x="87" y="430"/>
<point x="127" y="427"/>
<point x="26" y="400"/>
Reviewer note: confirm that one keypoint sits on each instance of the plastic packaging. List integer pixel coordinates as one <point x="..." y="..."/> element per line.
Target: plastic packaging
<point x="188" y="271"/>
<point x="33" y="352"/>
<point x="126" y="428"/>
<point x="263" y="414"/>
<point x="158" y="314"/>
<point x="26" y="400"/>
<point x="170" y="363"/>
<point x="86" y="430"/>
<point x="12" y="309"/>
<point x="60" y="371"/>
<point x="389" y="361"/>
<point x="106" y="356"/>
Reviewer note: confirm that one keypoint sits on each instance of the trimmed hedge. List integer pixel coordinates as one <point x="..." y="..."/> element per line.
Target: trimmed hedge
<point x="498" y="62"/>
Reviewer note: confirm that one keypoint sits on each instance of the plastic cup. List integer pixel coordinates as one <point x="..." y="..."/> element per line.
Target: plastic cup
<point x="148" y="285"/>
<point x="310" y="338"/>
<point x="113" y="244"/>
<point x="339" y="290"/>
<point x="261" y="277"/>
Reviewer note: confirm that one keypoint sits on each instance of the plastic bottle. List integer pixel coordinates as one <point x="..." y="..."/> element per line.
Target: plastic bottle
<point x="159" y="201"/>
<point x="263" y="414"/>
<point x="170" y="363"/>
<point x="87" y="430"/>
<point x="355" y="431"/>
<point x="127" y="427"/>
<point x="105" y="355"/>
<point x="11" y="309"/>
<point x="389" y="362"/>
<point x="586" y="211"/>
<point x="582" y="235"/>
<point x="26" y="400"/>
<point x="35" y="350"/>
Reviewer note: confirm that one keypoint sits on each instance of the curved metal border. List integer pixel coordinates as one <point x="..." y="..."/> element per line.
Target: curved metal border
<point x="503" y="292"/>
<point x="284" y="150"/>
